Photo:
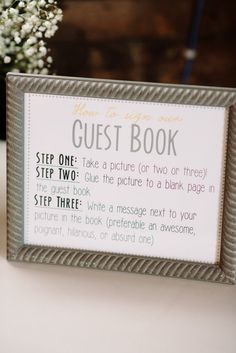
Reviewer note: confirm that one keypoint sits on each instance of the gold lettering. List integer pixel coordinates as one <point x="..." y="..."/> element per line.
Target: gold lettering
<point x="81" y="109"/>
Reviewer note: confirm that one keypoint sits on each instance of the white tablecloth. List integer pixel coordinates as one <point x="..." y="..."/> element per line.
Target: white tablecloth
<point x="54" y="309"/>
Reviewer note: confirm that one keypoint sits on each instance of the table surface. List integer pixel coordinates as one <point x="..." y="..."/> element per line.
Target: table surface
<point x="57" y="309"/>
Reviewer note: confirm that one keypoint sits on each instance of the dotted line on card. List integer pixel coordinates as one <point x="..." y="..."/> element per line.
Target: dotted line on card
<point x="223" y="174"/>
<point x="127" y="101"/>
<point x="105" y="251"/>
<point x="28" y="164"/>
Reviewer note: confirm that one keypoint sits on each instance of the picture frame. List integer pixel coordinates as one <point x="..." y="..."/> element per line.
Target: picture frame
<point x="19" y="86"/>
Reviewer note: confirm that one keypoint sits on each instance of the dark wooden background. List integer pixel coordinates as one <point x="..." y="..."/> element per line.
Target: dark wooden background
<point x="144" y="40"/>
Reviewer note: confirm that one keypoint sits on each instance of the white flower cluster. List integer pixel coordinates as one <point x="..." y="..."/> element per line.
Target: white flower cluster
<point x="24" y="28"/>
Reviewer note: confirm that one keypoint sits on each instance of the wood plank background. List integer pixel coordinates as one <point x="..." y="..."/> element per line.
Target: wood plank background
<point x="144" y="40"/>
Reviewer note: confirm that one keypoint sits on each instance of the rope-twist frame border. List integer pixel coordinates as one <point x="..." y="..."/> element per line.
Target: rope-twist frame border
<point x="18" y="84"/>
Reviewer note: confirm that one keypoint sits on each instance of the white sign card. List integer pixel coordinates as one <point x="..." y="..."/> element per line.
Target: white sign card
<point x="124" y="177"/>
<point x="122" y="173"/>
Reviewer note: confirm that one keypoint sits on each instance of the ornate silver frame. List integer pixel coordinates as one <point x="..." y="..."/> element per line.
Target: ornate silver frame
<point x="18" y="84"/>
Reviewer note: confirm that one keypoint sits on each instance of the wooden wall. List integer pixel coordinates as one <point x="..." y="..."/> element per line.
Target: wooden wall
<point x="144" y="40"/>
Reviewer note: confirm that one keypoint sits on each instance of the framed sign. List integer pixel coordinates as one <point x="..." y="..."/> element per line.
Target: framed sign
<point x="124" y="176"/>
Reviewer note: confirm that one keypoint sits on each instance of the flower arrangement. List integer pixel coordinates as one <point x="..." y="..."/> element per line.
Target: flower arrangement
<point x="25" y="27"/>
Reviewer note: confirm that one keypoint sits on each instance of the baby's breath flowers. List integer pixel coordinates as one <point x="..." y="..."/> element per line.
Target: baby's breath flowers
<point x="24" y="28"/>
